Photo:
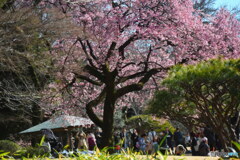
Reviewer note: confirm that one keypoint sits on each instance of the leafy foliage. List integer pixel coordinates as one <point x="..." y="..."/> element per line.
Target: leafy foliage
<point x="212" y="88"/>
<point x="237" y="145"/>
<point x="9" y="146"/>
<point x="147" y="122"/>
<point x="33" y="152"/>
<point x="171" y="105"/>
<point x="25" y="65"/>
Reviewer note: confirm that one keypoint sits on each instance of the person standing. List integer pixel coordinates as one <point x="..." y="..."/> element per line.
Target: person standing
<point x="204" y="148"/>
<point x="98" y="135"/>
<point x="124" y="138"/>
<point x="155" y="145"/>
<point x="82" y="144"/>
<point x="91" y="141"/>
<point x="194" y="144"/>
<point x="178" y="138"/>
<point x="135" y="138"/>
<point x="169" y="135"/>
<point x="163" y="147"/>
<point x="151" y="134"/>
<point x="211" y="137"/>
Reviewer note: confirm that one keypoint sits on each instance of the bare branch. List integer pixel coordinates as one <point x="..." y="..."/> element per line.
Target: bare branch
<point x="94" y="103"/>
<point x="87" y="79"/>
<point x="136" y="86"/>
<point x="110" y="51"/>
<point x="125" y="44"/>
<point x="91" y="50"/>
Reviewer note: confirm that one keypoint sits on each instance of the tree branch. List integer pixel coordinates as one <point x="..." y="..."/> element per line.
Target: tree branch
<point x="137" y="86"/>
<point x="125" y="44"/>
<point x="91" y="50"/>
<point x="87" y="79"/>
<point x="93" y="103"/>
<point x="94" y="72"/>
<point x="86" y="53"/>
<point x="110" y="51"/>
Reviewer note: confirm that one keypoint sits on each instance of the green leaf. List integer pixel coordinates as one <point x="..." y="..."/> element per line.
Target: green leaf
<point x="236" y="144"/>
<point x="42" y="140"/>
<point x="4" y="154"/>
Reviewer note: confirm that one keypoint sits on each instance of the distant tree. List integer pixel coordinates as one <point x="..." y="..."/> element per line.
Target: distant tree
<point x="214" y="89"/>
<point x="25" y="68"/>
<point x="170" y="104"/>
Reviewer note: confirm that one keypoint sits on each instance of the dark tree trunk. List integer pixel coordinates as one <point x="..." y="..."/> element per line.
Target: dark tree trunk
<point x="109" y="95"/>
<point x="107" y="126"/>
<point x="222" y="139"/>
<point x="108" y="114"/>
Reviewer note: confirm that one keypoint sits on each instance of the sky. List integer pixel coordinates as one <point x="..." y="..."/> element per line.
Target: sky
<point x="229" y="3"/>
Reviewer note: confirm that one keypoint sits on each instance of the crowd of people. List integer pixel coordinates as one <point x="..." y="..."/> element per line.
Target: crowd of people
<point x="86" y="140"/>
<point x="151" y="142"/>
<point x="199" y="143"/>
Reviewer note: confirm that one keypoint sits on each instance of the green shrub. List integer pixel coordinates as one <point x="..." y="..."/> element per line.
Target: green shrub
<point x="146" y="122"/>
<point x="9" y="146"/>
<point x="30" y="152"/>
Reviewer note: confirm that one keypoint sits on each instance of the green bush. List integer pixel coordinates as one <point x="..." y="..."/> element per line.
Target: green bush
<point x="30" y="152"/>
<point x="9" y="146"/>
<point x="146" y="122"/>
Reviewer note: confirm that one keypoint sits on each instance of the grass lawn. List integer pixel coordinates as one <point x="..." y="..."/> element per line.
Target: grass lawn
<point x="160" y="158"/>
<point x="191" y="158"/>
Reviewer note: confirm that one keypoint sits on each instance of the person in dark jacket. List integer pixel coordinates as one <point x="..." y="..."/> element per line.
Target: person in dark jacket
<point x="135" y="138"/>
<point x="194" y="144"/>
<point x="169" y="138"/>
<point x="178" y="138"/>
<point x="163" y="147"/>
<point x="98" y="135"/>
<point x="211" y="137"/>
<point x="204" y="148"/>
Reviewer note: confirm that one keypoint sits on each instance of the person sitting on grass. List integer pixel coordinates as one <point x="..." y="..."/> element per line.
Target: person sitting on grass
<point x="143" y="143"/>
<point x="180" y="150"/>
<point x="155" y="145"/>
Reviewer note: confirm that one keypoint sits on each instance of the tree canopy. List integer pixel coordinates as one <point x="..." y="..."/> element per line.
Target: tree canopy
<point x="25" y="64"/>
<point x="212" y="88"/>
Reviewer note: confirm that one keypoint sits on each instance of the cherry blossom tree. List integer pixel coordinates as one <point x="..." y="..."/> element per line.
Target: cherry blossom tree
<point x="126" y="46"/>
